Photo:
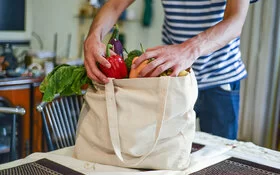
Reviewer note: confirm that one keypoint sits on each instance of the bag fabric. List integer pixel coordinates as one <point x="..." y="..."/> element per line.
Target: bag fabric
<point x="144" y="123"/>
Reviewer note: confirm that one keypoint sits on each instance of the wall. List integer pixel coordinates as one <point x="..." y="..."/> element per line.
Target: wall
<point x="132" y="28"/>
<point x="136" y="33"/>
<point x="51" y="16"/>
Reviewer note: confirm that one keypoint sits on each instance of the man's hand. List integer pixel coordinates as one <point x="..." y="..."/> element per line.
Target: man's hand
<point x="178" y="57"/>
<point x="94" y="49"/>
<point x="175" y="57"/>
<point x="95" y="54"/>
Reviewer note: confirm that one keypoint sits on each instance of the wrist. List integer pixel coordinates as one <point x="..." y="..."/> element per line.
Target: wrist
<point x="193" y="47"/>
<point x="94" y="35"/>
<point x="95" y="32"/>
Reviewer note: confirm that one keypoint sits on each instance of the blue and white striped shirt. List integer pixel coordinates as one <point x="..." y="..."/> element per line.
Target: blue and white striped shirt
<point x="185" y="19"/>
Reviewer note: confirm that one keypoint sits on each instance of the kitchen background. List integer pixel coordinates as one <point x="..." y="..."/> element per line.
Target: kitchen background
<point x="57" y="29"/>
<point x="260" y="48"/>
<point x="62" y="17"/>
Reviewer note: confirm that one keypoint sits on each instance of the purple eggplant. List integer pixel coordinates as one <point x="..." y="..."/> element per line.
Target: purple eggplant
<point x="114" y="40"/>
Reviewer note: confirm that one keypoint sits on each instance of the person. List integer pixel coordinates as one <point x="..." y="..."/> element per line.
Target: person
<point x="202" y="34"/>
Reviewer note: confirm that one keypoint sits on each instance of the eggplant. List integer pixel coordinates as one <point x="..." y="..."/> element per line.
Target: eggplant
<point x="116" y="43"/>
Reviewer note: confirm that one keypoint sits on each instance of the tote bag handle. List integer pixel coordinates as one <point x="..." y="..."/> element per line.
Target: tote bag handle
<point x="113" y="119"/>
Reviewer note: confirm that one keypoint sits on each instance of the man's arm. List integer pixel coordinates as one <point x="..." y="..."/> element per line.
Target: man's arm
<point x="221" y="34"/>
<point x="93" y="47"/>
<point x="107" y="17"/>
<point x="181" y="56"/>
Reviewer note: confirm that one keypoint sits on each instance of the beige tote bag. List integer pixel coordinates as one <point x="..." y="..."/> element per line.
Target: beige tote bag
<point x="144" y="123"/>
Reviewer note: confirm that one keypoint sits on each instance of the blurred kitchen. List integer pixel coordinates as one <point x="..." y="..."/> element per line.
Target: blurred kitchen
<point x="37" y="35"/>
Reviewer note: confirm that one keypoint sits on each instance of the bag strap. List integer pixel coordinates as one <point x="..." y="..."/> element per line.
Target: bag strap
<point x="112" y="114"/>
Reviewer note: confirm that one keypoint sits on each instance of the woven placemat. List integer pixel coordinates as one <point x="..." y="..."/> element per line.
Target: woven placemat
<point x="40" y="167"/>
<point x="235" y="166"/>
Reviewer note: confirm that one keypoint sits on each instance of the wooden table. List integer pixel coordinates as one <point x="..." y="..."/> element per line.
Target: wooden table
<point x="24" y="92"/>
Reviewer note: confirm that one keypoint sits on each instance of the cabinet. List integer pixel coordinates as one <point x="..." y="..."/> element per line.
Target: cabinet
<point x="24" y="92"/>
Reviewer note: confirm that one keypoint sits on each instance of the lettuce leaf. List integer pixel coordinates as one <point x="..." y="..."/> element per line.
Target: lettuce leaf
<point x="45" y="82"/>
<point x="64" y="80"/>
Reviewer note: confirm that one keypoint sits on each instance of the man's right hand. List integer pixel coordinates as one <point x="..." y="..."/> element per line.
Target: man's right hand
<point x="94" y="51"/>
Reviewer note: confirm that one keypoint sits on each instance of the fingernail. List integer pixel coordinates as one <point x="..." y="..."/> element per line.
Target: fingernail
<point x="108" y="65"/>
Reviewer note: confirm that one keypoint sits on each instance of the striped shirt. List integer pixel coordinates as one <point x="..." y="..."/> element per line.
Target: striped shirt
<point x="185" y="19"/>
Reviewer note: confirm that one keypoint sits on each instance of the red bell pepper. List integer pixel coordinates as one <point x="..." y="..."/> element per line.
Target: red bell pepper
<point x="118" y="67"/>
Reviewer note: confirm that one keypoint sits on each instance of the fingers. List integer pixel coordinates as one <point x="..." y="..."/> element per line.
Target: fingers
<point x="101" y="60"/>
<point x="97" y="54"/>
<point x="155" y="67"/>
<point x="94" y="73"/>
<point x="143" y="57"/>
<point x="151" y="66"/>
<point x="90" y="64"/>
<point x="159" y="69"/>
<point x="175" y="71"/>
<point x="90" y="72"/>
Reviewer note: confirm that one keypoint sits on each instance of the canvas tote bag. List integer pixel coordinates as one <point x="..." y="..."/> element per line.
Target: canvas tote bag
<point x="139" y="123"/>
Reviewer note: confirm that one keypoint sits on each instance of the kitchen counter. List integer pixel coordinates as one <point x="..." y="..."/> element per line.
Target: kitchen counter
<point x="24" y="92"/>
<point x="20" y="80"/>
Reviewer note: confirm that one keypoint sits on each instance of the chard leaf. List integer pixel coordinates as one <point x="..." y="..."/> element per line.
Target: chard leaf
<point x="45" y="82"/>
<point x="64" y="80"/>
<point x="79" y="75"/>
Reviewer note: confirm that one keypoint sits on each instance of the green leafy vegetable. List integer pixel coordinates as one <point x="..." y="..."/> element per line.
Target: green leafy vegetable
<point x="64" y="80"/>
<point x="131" y="55"/>
<point x="44" y="84"/>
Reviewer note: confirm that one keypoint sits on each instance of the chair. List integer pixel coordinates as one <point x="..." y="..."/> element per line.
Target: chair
<point x="60" y="117"/>
<point x="8" y="117"/>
